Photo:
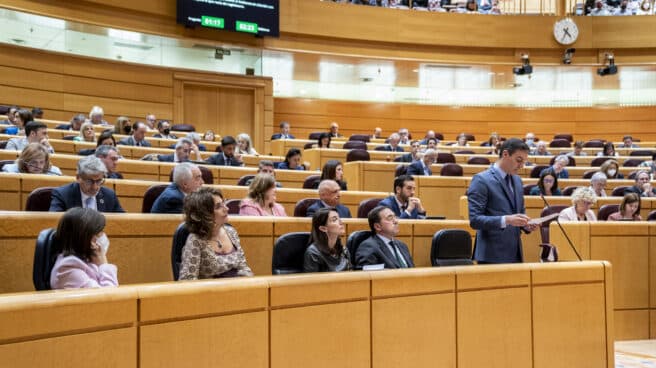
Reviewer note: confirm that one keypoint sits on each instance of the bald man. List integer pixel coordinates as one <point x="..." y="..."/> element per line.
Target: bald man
<point x="329" y="194"/>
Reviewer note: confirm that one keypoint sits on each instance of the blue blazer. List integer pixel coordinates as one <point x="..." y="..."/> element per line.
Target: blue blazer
<point x="218" y="159"/>
<point x="489" y="200"/>
<point x="342" y="210"/>
<point x="279" y="136"/>
<point x="373" y="251"/>
<point x="389" y="149"/>
<point x="170" y="201"/>
<point x="390" y="203"/>
<point x="165" y="158"/>
<point x="68" y="196"/>
<point x="416" y="168"/>
<point x="283" y="166"/>
<point x="404" y="158"/>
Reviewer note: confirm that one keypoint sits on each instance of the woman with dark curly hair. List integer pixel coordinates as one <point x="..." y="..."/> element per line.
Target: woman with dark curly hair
<point x="212" y="249"/>
<point x="292" y="160"/>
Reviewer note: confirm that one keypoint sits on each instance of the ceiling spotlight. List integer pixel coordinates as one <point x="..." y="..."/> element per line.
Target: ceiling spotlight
<point x="610" y="68"/>
<point x="567" y="57"/>
<point x="526" y="67"/>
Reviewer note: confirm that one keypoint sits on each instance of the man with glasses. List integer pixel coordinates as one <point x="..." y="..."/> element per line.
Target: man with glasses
<point x="642" y="185"/>
<point x="393" y="143"/>
<point x="412" y="156"/>
<point x="150" y="122"/>
<point x="423" y="167"/>
<point x="187" y="178"/>
<point x="87" y="191"/>
<point x="329" y="194"/>
<point x="381" y="247"/>
<point x="109" y="156"/>
<point x="405" y="136"/>
<point x="184" y="149"/>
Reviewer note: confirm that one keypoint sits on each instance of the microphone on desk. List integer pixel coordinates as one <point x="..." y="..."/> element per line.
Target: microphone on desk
<point x="562" y="230"/>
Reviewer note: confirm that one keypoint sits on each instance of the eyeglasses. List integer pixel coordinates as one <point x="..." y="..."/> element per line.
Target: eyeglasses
<point x="36" y="164"/>
<point x="91" y="182"/>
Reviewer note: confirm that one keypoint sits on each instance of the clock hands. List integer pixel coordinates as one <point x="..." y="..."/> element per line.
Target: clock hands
<point x="565" y="33"/>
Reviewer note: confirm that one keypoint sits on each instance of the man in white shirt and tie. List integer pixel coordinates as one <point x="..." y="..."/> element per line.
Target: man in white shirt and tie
<point x="284" y="132"/>
<point x="381" y="247"/>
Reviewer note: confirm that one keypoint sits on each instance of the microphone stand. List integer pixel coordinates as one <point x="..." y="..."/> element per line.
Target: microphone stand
<point x="562" y="230"/>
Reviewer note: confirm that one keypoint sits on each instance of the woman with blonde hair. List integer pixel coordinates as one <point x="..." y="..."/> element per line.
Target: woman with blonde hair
<point x="123" y="125"/>
<point x="245" y="145"/>
<point x="261" y="200"/>
<point x="629" y="209"/>
<point x="582" y="200"/>
<point x="34" y="159"/>
<point x="611" y="169"/>
<point x="87" y="134"/>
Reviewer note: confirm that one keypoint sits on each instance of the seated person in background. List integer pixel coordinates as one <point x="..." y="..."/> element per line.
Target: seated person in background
<point x="578" y="149"/>
<point x="611" y="169"/>
<point x="96" y="116"/>
<point x="547" y="185"/>
<point x="212" y="249"/>
<point x="37" y="113"/>
<point x="333" y="170"/>
<point x="123" y="125"/>
<point x="378" y="133"/>
<point x="582" y="199"/>
<point x="35" y="132"/>
<point x="292" y="160"/>
<point x="21" y="118"/>
<point x="261" y="199"/>
<point x="403" y="203"/>
<point x="209" y="136"/>
<point x="529" y="139"/>
<point x="326" y="252"/>
<point x="164" y="129"/>
<point x="627" y="142"/>
<point x="284" y="132"/>
<point x="540" y="149"/>
<point x="227" y="157"/>
<point x="462" y="140"/>
<point x="608" y="151"/>
<point x="492" y="141"/>
<point x="11" y="116"/>
<point x="472" y="6"/>
<point x="404" y="134"/>
<point x="245" y="145"/>
<point x="83" y="243"/>
<point x="109" y="156"/>
<point x="334" y="130"/>
<point x="87" y="134"/>
<point x="599" y="9"/>
<point x="74" y="124"/>
<point x="423" y="166"/>
<point x="413" y="155"/>
<point x="265" y="167"/>
<point x="187" y="179"/>
<point x="598" y="183"/>
<point x="558" y="168"/>
<point x="185" y="150"/>
<point x="87" y="191"/>
<point x="381" y="247"/>
<point x="429" y="135"/>
<point x="195" y="137"/>
<point x="393" y="143"/>
<point x="324" y="140"/>
<point x="642" y="186"/>
<point x="650" y="165"/>
<point x="151" y="119"/>
<point x="431" y="144"/>
<point x="329" y="194"/>
<point x="138" y="137"/>
<point x="629" y="209"/>
<point x="106" y="138"/>
<point x="34" y="159"/>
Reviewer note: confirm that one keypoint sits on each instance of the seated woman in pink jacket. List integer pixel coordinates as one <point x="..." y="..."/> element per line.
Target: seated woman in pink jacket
<point x="83" y="245"/>
<point x="261" y="200"/>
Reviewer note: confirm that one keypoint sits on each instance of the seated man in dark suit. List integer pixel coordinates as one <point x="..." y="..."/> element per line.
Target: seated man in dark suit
<point x="227" y="157"/>
<point x="11" y="116"/>
<point x="87" y="191"/>
<point x="184" y="149"/>
<point x="642" y="186"/>
<point x="412" y="156"/>
<point x="329" y="192"/>
<point x="423" y="166"/>
<point x="74" y="125"/>
<point x="187" y="178"/>
<point x="381" y="247"/>
<point x="138" y="136"/>
<point x="284" y="132"/>
<point x="403" y="203"/>
<point x="164" y="130"/>
<point x="334" y="130"/>
<point x="109" y="156"/>
<point x="393" y="145"/>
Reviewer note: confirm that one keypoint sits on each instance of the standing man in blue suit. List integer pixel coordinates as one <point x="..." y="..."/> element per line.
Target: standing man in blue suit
<point x="496" y="207"/>
<point x="403" y="203"/>
<point x="329" y="193"/>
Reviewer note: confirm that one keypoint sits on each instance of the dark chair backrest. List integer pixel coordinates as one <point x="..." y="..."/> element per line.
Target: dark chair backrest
<point x="400" y="170"/>
<point x="208" y="178"/>
<point x="445" y="158"/>
<point x="632" y="162"/>
<point x="360" y="137"/>
<point x="86" y="152"/>
<point x="5" y="162"/>
<point x="39" y="199"/>
<point x="537" y="169"/>
<point x="598" y="161"/>
<point x="367" y="205"/>
<point x="179" y="240"/>
<point x="183" y="128"/>
<point x="380" y="148"/>
<point x="69" y="137"/>
<point x="355" y="145"/>
<point x="606" y="210"/>
<point x="569" y="190"/>
<point x="3" y="144"/>
<point x="353" y="242"/>
<point x="633" y="174"/>
<point x="528" y="187"/>
<point x="233" y="206"/>
<point x="560" y="143"/>
<point x="288" y="253"/>
<point x="45" y="254"/>
<point x="651" y="216"/>
<point x="567" y="137"/>
<point x="150" y="196"/>
<point x="641" y="153"/>
<point x="315" y="135"/>
<point x="451" y="170"/>
<point x="544" y="227"/>
<point x="300" y="210"/>
<point x="464" y="152"/>
<point x="311" y="181"/>
<point x="619" y="191"/>
<point x="588" y="174"/>
<point x="451" y="247"/>
<point x="244" y="179"/>
<point x="478" y="161"/>
<point x="594" y="143"/>
<point x="308" y="145"/>
<point x="572" y="161"/>
<point x="357" y="155"/>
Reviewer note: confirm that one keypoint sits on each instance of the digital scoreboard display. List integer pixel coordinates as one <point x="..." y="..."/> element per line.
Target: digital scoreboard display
<point x="258" y="17"/>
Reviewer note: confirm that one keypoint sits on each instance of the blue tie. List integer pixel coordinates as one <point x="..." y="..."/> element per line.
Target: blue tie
<point x="511" y="189"/>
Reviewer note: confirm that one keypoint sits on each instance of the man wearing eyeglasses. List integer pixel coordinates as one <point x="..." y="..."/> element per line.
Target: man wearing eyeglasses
<point x="109" y="156"/>
<point x="184" y="149"/>
<point x="381" y="247"/>
<point x="87" y="191"/>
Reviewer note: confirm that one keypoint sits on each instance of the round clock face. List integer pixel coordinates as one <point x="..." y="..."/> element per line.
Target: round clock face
<point x="566" y="31"/>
